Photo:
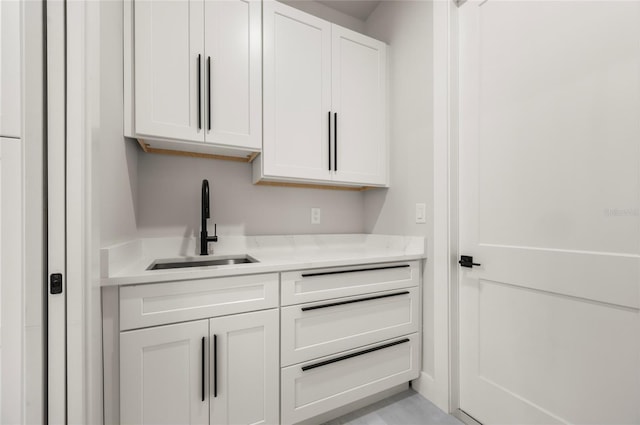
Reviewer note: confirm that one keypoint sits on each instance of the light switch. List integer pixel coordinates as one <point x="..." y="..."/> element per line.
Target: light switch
<point x="421" y="213"/>
<point x="315" y="215"/>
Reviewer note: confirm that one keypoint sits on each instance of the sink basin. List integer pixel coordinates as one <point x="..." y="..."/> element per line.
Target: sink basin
<point x="205" y="262"/>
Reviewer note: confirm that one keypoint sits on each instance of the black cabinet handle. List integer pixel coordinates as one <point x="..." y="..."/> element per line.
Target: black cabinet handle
<point x="199" y="94"/>
<point x="215" y="366"/>
<point x="335" y="141"/>
<point x="329" y="137"/>
<point x="356" y="354"/>
<point x="203" y="377"/>
<point x="354" y="270"/>
<point x="209" y="92"/>
<point x="377" y="297"/>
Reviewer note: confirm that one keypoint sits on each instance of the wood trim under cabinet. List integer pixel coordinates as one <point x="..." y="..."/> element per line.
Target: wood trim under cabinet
<point x="148" y="149"/>
<point x="314" y="186"/>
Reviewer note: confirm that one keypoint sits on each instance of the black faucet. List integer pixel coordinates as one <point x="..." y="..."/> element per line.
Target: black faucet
<point x="204" y="236"/>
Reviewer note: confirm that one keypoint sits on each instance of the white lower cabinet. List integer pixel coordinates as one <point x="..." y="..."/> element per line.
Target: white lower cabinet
<point x="317" y="329"/>
<point x="163" y="375"/>
<point x="341" y="334"/>
<point x="244" y="372"/>
<point x="313" y="388"/>
<point x="217" y="371"/>
<point x="347" y="333"/>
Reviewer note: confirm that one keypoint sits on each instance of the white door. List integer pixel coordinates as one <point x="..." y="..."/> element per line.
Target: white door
<point x="549" y="206"/>
<point x="10" y="97"/>
<point x="11" y="282"/>
<point x="169" y="69"/>
<point x="163" y="375"/>
<point x="245" y="368"/>
<point x="233" y="69"/>
<point x="297" y="93"/>
<point x="358" y="102"/>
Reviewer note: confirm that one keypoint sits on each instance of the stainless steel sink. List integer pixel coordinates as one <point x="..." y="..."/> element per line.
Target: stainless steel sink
<point x="207" y="262"/>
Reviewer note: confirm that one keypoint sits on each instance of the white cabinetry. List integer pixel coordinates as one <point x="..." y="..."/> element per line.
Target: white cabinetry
<point x="162" y="375"/>
<point x="324" y="102"/>
<point x="10" y="64"/>
<point x="358" y="101"/>
<point x="338" y="349"/>
<point x="244" y="373"/>
<point x="218" y="370"/>
<point x="193" y="75"/>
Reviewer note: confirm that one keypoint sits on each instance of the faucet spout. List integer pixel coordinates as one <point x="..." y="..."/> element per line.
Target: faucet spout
<point x="205" y="213"/>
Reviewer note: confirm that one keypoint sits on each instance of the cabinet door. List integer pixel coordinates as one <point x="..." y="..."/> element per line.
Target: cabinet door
<point x="163" y="374"/>
<point x="10" y="111"/>
<point x="233" y="44"/>
<point x="244" y="373"/>
<point x="359" y="100"/>
<point x="169" y="85"/>
<point x="297" y="93"/>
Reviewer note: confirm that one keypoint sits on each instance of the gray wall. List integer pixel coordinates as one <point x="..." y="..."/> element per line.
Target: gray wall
<point x="406" y="27"/>
<point x="327" y="13"/>
<point x="118" y="158"/>
<point x="169" y="200"/>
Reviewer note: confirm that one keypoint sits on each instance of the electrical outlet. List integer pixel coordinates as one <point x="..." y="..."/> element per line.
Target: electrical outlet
<point x="315" y="215"/>
<point x="421" y="213"/>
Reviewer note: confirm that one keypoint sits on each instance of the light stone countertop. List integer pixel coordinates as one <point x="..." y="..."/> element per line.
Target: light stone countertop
<point x="126" y="263"/>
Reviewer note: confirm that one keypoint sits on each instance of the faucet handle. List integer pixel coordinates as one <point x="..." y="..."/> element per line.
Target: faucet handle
<point x="214" y="238"/>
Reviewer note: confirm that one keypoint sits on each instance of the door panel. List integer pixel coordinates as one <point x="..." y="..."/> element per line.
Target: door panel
<point x="233" y="43"/>
<point x="10" y="97"/>
<point x="169" y="36"/>
<point x="549" y="205"/>
<point x="359" y="99"/>
<point x="246" y="348"/>
<point x="297" y="93"/>
<point x="161" y="375"/>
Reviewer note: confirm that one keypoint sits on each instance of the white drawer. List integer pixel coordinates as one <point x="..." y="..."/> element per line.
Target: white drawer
<point x="314" y="330"/>
<point x="161" y="303"/>
<point x="321" y="284"/>
<point x="316" y="387"/>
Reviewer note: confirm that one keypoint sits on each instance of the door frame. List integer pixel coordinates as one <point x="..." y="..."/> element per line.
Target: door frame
<point x="446" y="219"/>
<point x="82" y="120"/>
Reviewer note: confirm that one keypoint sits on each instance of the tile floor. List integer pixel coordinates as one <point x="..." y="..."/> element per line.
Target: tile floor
<point x="405" y="408"/>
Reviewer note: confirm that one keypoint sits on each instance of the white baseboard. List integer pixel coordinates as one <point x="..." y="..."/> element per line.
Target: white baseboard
<point x="427" y="387"/>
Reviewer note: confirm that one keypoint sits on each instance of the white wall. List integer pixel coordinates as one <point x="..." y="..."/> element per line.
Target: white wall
<point x="118" y="157"/>
<point x="406" y="27"/>
<point x="327" y="13"/>
<point x="169" y="201"/>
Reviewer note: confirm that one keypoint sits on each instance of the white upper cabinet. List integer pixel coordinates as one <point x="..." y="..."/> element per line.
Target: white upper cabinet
<point x="297" y="93"/>
<point x="324" y="102"/>
<point x="10" y="84"/>
<point x="169" y="54"/>
<point x="358" y="101"/>
<point x="193" y="74"/>
<point x="233" y="70"/>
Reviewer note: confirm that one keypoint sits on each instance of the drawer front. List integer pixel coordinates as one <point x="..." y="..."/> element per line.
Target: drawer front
<point x="312" y="388"/>
<point x="161" y="303"/>
<point x="314" y="330"/>
<point x="321" y="284"/>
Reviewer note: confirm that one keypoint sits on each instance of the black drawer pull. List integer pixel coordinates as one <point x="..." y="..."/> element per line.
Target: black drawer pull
<point x="377" y="297"/>
<point x="202" y="365"/>
<point x="329" y="139"/>
<point x="349" y="356"/>
<point x="215" y="365"/>
<point x="354" y="270"/>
